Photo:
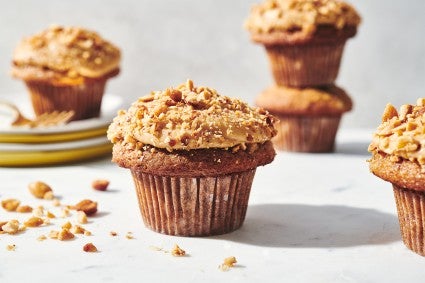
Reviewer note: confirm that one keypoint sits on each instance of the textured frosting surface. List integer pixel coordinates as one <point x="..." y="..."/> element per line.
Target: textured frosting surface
<point x="189" y="117"/>
<point x="329" y="100"/>
<point x="402" y="133"/>
<point x="72" y="52"/>
<point x="300" y="16"/>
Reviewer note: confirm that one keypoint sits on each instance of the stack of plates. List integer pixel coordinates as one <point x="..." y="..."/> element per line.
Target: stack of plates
<point x="75" y="141"/>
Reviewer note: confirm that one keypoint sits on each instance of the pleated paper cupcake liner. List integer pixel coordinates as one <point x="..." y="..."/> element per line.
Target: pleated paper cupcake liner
<point x="411" y="216"/>
<point x="306" y="134"/>
<point x="305" y="65"/>
<point x="187" y="206"/>
<point x="85" y="100"/>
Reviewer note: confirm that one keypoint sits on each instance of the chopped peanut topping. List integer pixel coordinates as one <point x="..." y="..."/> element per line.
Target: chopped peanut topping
<point x="41" y="238"/>
<point x="65" y="234"/>
<point x="113" y="233"/>
<point x="67" y="225"/>
<point x="49" y="195"/>
<point x="11" y="227"/>
<point x="11" y="248"/>
<point x="50" y="215"/>
<point x="81" y="217"/>
<point x="88" y="206"/>
<point x="24" y="209"/>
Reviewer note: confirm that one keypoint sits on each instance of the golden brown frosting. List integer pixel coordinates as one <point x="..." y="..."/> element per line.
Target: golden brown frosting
<point x="328" y="100"/>
<point x="300" y="15"/>
<point x="402" y="133"/>
<point x="189" y="117"/>
<point x="71" y="51"/>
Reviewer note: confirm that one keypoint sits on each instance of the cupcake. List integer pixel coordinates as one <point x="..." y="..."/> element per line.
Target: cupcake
<point x="398" y="157"/>
<point x="304" y="39"/>
<point x="193" y="155"/>
<point x="66" y="68"/>
<point x="308" y="118"/>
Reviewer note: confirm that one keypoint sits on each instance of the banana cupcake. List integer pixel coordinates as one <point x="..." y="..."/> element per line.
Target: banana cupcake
<point x="398" y="157"/>
<point x="66" y="68"/>
<point x="304" y="39"/>
<point x="193" y="154"/>
<point x="308" y="118"/>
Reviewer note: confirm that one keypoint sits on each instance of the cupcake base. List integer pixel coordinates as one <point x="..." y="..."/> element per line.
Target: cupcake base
<point x="305" y="65"/>
<point x="411" y="216"/>
<point x="193" y="206"/>
<point x="306" y="134"/>
<point x="85" y="99"/>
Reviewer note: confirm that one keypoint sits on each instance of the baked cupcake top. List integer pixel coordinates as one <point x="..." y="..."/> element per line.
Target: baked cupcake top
<point x="189" y="117"/>
<point x="329" y="100"/>
<point x="64" y="52"/>
<point x="402" y="134"/>
<point x="302" y="16"/>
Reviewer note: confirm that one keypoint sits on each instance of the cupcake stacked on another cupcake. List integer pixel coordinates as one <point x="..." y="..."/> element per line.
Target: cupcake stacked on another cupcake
<point x="66" y="68"/>
<point x="304" y="40"/>
<point x="193" y="155"/>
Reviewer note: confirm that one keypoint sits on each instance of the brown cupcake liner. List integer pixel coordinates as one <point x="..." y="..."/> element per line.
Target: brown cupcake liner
<point x="85" y="100"/>
<point x="305" y="65"/>
<point x="306" y="134"/>
<point x="189" y="206"/>
<point x="411" y="217"/>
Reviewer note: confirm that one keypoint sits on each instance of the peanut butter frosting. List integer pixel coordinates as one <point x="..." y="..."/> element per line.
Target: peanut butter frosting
<point x="300" y="16"/>
<point x="189" y="117"/>
<point x="402" y="134"/>
<point x="328" y="100"/>
<point x="69" y="52"/>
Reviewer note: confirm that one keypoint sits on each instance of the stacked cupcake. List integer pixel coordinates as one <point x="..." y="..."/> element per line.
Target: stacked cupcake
<point x="304" y="40"/>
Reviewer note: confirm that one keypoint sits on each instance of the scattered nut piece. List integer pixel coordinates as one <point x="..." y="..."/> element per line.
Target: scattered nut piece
<point x="129" y="236"/>
<point x="24" y="209"/>
<point x="81" y="217"/>
<point x="56" y="202"/>
<point x="50" y="215"/>
<point x="89" y="248"/>
<point x="87" y="233"/>
<point x="77" y="229"/>
<point x="11" y="227"/>
<point x="49" y="196"/>
<point x="11" y="247"/>
<point x="41" y="238"/>
<point x="100" y="185"/>
<point x="86" y="205"/>
<point x="53" y="234"/>
<point x="177" y="251"/>
<point x="10" y="204"/>
<point x="39" y="211"/>
<point x="34" y="222"/>
<point x="113" y="233"/>
<point x="67" y="225"/>
<point x="157" y="249"/>
<point x="1" y="224"/>
<point x="228" y="263"/>
<point x="39" y="189"/>
<point x="65" y="213"/>
<point x="46" y="221"/>
<point x="65" y="234"/>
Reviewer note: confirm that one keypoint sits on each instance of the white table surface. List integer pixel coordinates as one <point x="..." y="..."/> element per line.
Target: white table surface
<point x="311" y="218"/>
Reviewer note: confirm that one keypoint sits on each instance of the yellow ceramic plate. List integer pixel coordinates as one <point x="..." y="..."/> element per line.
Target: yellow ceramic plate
<point x="75" y="130"/>
<point x="21" y="155"/>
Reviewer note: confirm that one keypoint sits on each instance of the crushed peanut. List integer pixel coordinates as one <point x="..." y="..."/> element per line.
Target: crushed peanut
<point x="53" y="234"/>
<point x="129" y="235"/>
<point x="87" y="233"/>
<point x="177" y="251"/>
<point x="56" y="202"/>
<point x="65" y="213"/>
<point x="90" y="248"/>
<point x="81" y="217"/>
<point x="100" y="185"/>
<point x="38" y="211"/>
<point x="228" y="263"/>
<point x="39" y="189"/>
<point x="41" y="238"/>
<point x="10" y="204"/>
<point x="113" y="233"/>
<point x="11" y="227"/>
<point x="65" y="235"/>
<point x="50" y="215"/>
<point x="88" y="206"/>
<point x="67" y="225"/>
<point x="77" y="229"/>
<point x="34" y="222"/>
<point x="49" y="196"/>
<point x="24" y="209"/>
<point x="11" y="248"/>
